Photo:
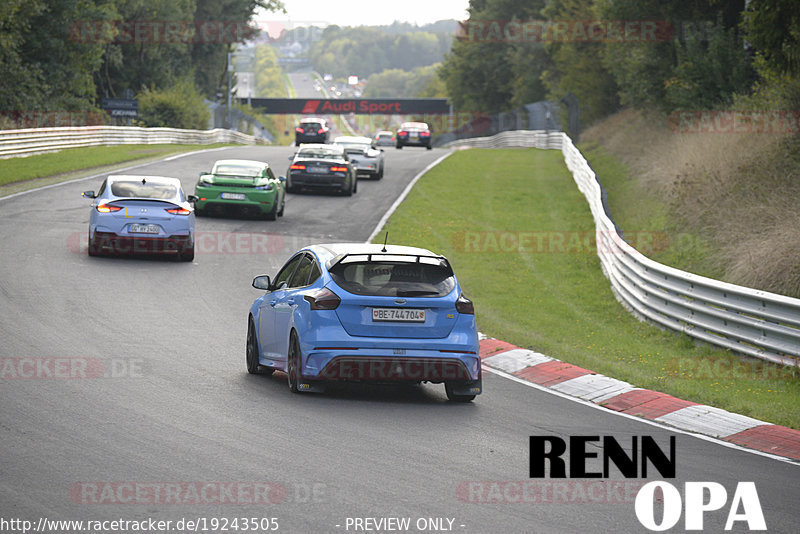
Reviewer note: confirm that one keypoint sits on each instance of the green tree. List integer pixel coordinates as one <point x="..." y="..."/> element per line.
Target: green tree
<point x="42" y="65"/>
<point x="577" y="66"/>
<point x="269" y="77"/>
<point x="179" y="106"/>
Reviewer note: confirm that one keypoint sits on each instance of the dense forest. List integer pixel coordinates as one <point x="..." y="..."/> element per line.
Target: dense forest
<point x="681" y="54"/>
<point x="367" y="50"/>
<point x="68" y="54"/>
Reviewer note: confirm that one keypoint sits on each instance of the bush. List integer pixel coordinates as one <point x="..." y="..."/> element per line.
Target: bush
<point x="180" y="106"/>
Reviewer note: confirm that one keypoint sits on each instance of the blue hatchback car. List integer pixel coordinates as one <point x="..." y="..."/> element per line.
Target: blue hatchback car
<point x="368" y="313"/>
<point x="141" y="214"/>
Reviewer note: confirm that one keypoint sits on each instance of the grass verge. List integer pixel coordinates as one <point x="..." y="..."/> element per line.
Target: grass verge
<point x="520" y="237"/>
<point x="19" y="174"/>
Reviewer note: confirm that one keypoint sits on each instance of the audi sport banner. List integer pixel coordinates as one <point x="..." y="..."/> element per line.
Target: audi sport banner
<point x="366" y="106"/>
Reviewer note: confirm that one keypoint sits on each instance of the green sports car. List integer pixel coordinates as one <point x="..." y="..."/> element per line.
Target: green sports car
<point x="240" y="185"/>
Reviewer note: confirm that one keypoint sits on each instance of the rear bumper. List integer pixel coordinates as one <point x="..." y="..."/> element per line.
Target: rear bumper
<point x="235" y="206"/>
<point x="319" y="180"/>
<point x="111" y="243"/>
<point x="256" y="201"/>
<point x="370" y="364"/>
<point x="313" y="138"/>
<point x="414" y="142"/>
<point x="395" y="368"/>
<point x="368" y="169"/>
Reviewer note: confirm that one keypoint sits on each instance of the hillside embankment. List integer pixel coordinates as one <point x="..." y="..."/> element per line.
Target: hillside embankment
<point x="710" y="200"/>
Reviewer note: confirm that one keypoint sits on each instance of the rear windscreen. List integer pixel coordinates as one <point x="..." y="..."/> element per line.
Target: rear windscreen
<point x="394" y="279"/>
<point x="137" y="189"/>
<point x="320" y="153"/>
<point x="237" y="170"/>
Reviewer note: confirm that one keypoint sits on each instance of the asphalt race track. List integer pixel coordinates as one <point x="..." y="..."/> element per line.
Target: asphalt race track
<point x="176" y="407"/>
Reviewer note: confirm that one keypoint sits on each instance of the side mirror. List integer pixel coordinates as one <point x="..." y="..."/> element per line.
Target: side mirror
<point x="261" y="282"/>
<point x="88" y="194"/>
<point x="291" y="157"/>
<point x="204" y="174"/>
<point x="192" y="198"/>
<point x="282" y="178"/>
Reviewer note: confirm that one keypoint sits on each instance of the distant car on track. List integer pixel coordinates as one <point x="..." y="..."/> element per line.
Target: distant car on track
<point x="384" y="138"/>
<point x="141" y="214"/>
<point x="311" y="130"/>
<point x="365" y="157"/>
<point x="367" y="313"/>
<point x="240" y="185"/>
<point x="413" y="134"/>
<point x="317" y="166"/>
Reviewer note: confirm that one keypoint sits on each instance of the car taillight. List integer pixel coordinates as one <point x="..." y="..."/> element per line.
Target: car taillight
<point x="338" y="169"/>
<point x="298" y="129"/>
<point x="402" y="132"/>
<point x="323" y="299"/>
<point x="464" y="305"/>
<point x="179" y="211"/>
<point x="107" y="208"/>
<point x="424" y="134"/>
<point x="297" y="167"/>
<point x="321" y="131"/>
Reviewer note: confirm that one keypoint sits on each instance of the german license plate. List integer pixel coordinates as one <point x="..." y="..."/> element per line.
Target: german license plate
<point x="318" y="170"/>
<point x="234" y="196"/>
<point x="413" y="135"/>
<point x="143" y="228"/>
<point x="400" y="315"/>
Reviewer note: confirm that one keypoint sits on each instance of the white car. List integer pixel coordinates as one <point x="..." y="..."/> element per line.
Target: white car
<point x="366" y="158"/>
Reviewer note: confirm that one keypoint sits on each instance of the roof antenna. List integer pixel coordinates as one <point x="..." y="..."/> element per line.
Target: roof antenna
<point x="386" y="237"/>
<point x="144" y="181"/>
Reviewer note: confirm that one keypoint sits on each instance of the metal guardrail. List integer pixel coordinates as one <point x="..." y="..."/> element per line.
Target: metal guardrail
<point x="39" y="140"/>
<point x="757" y="323"/>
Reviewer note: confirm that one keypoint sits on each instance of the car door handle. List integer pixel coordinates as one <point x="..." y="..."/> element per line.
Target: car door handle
<point x="273" y="303"/>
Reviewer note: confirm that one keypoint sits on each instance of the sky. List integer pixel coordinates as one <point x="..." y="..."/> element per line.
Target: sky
<point x="366" y="12"/>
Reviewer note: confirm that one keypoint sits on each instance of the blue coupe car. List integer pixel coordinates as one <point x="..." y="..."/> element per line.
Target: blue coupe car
<point x="367" y="313"/>
<point x="141" y="214"/>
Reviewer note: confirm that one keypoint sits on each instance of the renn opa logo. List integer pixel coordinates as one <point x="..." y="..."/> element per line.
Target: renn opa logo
<point x="546" y="456"/>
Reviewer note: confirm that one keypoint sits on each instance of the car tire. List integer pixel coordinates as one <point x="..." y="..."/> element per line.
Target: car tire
<point x="448" y="388"/>
<point x="92" y="249"/>
<point x="283" y="206"/>
<point x="380" y="174"/>
<point x="355" y="185"/>
<point x="187" y="254"/>
<point x="251" y="355"/>
<point x="272" y="214"/>
<point x="429" y="147"/>
<point x="293" y="364"/>
<point x="348" y="191"/>
<point x="198" y="212"/>
<point x="399" y="147"/>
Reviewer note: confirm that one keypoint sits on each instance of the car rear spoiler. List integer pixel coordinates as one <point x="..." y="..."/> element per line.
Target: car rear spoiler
<point x="333" y="262"/>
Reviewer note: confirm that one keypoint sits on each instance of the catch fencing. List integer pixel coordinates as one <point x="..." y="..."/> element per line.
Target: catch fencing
<point x="757" y="323"/>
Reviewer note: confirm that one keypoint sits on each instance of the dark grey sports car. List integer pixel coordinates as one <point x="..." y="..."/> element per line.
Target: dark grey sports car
<point x="318" y="166"/>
